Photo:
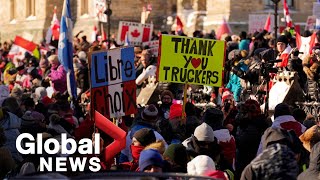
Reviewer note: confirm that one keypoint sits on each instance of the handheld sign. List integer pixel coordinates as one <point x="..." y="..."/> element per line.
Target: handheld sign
<point x="192" y="60"/>
<point x="134" y="34"/>
<point x="113" y="88"/>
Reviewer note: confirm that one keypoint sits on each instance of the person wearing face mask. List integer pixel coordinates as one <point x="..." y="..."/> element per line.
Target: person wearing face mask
<point x="57" y="75"/>
<point x="140" y="140"/>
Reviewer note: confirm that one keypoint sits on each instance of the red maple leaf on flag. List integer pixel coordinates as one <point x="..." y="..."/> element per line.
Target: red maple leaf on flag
<point x="135" y="33"/>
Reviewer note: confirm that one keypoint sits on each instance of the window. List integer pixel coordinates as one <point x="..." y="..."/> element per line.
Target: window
<point x="269" y="3"/>
<point x="31" y="8"/>
<point x="84" y="7"/>
<point x="12" y="10"/>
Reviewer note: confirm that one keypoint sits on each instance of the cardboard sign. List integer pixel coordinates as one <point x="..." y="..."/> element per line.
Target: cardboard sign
<point x="99" y="8"/>
<point x="193" y="60"/>
<point x="257" y="22"/>
<point x="311" y="23"/>
<point x="133" y="33"/>
<point x="153" y="46"/>
<point x="113" y="88"/>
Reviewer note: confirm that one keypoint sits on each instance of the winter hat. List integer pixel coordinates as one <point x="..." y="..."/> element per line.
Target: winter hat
<point x="204" y="133"/>
<point x="253" y="107"/>
<point x="299" y="115"/>
<point x="33" y="115"/>
<point x="175" y="111"/>
<point x="150" y="113"/>
<point x="281" y="110"/>
<point x="145" y="136"/>
<point x="226" y="95"/>
<point x="213" y="117"/>
<point x="168" y="93"/>
<point x="159" y="145"/>
<point x="310" y="137"/>
<point x="150" y="157"/>
<point x="177" y="153"/>
<point x="82" y="56"/>
<point x="282" y="39"/>
<point x="43" y="63"/>
<point x="201" y="165"/>
<point x="217" y="174"/>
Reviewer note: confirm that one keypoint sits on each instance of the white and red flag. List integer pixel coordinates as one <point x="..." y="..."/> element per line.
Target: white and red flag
<point x="267" y="26"/>
<point x="94" y="34"/>
<point x="223" y="29"/>
<point x="134" y="33"/>
<point x="287" y="14"/>
<point x="179" y="27"/>
<point x="20" y="46"/>
<point x="305" y="44"/>
<point x="54" y="30"/>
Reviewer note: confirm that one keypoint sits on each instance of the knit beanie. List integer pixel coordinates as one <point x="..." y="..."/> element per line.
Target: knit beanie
<point x="310" y="137"/>
<point x="204" y="133"/>
<point x="201" y="165"/>
<point x="281" y="110"/>
<point x="145" y="136"/>
<point x="282" y="39"/>
<point x="175" y="111"/>
<point x="213" y="117"/>
<point x="177" y="153"/>
<point x="168" y="93"/>
<point x="150" y="113"/>
<point x="226" y="95"/>
<point x="150" y="157"/>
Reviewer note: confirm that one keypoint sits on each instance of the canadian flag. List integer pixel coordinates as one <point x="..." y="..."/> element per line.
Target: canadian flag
<point x="94" y="34"/>
<point x="287" y="14"/>
<point x="55" y="25"/>
<point x="267" y="26"/>
<point x="20" y="46"/>
<point x="223" y="29"/>
<point x="305" y="44"/>
<point x="137" y="33"/>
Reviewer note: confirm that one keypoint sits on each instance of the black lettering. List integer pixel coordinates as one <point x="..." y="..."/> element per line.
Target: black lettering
<point x="175" y="71"/>
<point x="183" y="75"/>
<point x="120" y="63"/>
<point x="193" y="49"/>
<point x="197" y="76"/>
<point x="185" y="45"/>
<point x="187" y="61"/>
<point x="108" y="100"/>
<point x="208" y="77"/>
<point x="190" y="79"/>
<point x="131" y="99"/>
<point x="123" y="99"/>
<point x="203" y="77"/>
<point x="166" y="68"/>
<point x="113" y="70"/>
<point x="204" y="63"/>
<point x="116" y="98"/>
<point x="176" y="42"/>
<point x="98" y="80"/>
<point x="203" y="47"/>
<point x="128" y="69"/>
<point x="215" y="76"/>
<point x="211" y="45"/>
<point x="96" y="95"/>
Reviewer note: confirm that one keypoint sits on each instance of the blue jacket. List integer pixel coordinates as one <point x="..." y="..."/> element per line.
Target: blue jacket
<point x="11" y="125"/>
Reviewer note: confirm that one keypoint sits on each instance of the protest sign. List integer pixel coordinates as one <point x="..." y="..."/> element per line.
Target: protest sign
<point x="153" y="46"/>
<point x="257" y="22"/>
<point x="191" y="60"/>
<point x="113" y="88"/>
<point x="133" y="33"/>
<point x="99" y="8"/>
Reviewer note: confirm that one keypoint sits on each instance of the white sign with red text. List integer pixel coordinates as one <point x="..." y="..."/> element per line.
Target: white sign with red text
<point x="153" y="46"/>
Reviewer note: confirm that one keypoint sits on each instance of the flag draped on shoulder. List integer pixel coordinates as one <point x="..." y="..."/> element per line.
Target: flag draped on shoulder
<point x="65" y="49"/>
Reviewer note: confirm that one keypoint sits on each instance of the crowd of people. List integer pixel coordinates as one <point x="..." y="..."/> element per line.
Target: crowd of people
<point x="230" y="139"/>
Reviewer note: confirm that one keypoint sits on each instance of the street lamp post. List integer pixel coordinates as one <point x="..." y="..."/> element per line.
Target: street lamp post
<point x="276" y="3"/>
<point x="108" y="12"/>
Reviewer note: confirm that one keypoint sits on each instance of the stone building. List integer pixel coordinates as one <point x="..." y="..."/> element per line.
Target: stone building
<point x="33" y="17"/>
<point x="208" y="14"/>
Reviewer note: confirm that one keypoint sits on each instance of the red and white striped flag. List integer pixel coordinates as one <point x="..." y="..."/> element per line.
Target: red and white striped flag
<point x="267" y="26"/>
<point x="287" y="14"/>
<point x="20" y="46"/>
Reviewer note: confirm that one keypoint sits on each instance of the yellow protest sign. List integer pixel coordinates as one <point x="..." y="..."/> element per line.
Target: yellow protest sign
<point x="192" y="60"/>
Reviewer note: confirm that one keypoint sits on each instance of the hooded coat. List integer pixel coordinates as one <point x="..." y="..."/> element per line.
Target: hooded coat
<point x="313" y="172"/>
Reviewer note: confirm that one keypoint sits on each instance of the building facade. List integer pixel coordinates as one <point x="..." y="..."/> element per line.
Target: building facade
<point x="33" y="17"/>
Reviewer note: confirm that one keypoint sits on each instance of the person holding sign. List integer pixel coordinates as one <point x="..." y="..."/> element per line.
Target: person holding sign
<point x="149" y="70"/>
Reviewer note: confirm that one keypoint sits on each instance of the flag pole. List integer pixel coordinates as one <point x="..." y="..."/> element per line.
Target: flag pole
<point x="185" y="90"/>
